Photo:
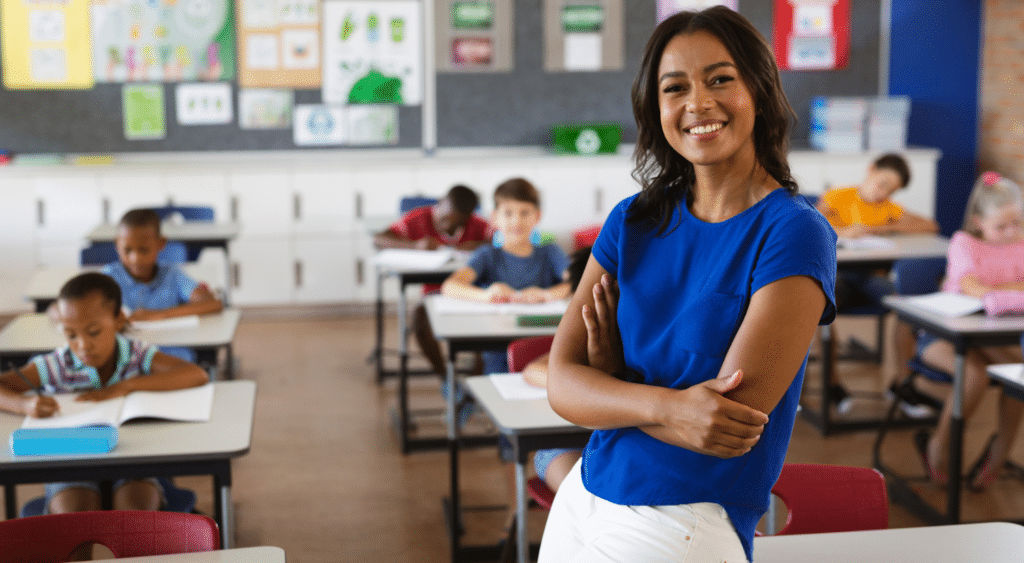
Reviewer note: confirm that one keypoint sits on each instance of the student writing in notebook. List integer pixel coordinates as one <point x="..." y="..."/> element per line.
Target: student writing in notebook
<point x="986" y="255"/>
<point x="517" y="270"/>
<point x="867" y="209"/>
<point x="451" y="222"/>
<point x="101" y="363"/>
<point x="151" y="290"/>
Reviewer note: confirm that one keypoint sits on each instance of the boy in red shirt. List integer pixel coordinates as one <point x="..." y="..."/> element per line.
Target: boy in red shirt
<point x="449" y="222"/>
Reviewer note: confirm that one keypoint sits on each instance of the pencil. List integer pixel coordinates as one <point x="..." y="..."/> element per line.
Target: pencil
<point x="37" y="390"/>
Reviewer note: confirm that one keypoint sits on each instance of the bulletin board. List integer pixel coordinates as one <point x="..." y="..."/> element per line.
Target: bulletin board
<point x="474" y="109"/>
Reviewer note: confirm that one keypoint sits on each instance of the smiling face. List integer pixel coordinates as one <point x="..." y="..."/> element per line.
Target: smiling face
<point x="138" y="247"/>
<point x="707" y="111"/>
<point x="1001" y="225"/>
<point x="516" y="220"/>
<point x="91" y="325"/>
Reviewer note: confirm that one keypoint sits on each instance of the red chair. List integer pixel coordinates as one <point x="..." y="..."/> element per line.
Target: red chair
<point x="127" y="533"/>
<point x="831" y="498"/>
<point x="585" y="237"/>
<point x="520" y="353"/>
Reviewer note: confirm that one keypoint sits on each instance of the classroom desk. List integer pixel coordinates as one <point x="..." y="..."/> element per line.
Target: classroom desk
<point x="903" y="247"/>
<point x="262" y="554"/>
<point x="469" y="333"/>
<point x="35" y="333"/>
<point x="964" y="333"/>
<point x="529" y="425"/>
<point x="405" y="276"/>
<point x="151" y="448"/>
<point x="194" y="233"/>
<point x="45" y="283"/>
<point x="992" y="542"/>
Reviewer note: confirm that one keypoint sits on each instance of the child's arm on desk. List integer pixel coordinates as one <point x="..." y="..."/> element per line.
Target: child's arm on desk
<point x="908" y="223"/>
<point x="389" y="239"/>
<point x="201" y="302"/>
<point x="459" y="285"/>
<point x="538" y="295"/>
<point x="13" y="398"/>
<point x="166" y="373"/>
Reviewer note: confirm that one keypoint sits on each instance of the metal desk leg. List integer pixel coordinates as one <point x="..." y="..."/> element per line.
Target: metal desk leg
<point x="956" y="438"/>
<point x="223" y="509"/>
<point x="522" y="543"/>
<point x="10" y="502"/>
<point x="378" y="350"/>
<point x="229" y="362"/>
<point x="455" y="528"/>
<point x="827" y="363"/>
<point x="403" y="368"/>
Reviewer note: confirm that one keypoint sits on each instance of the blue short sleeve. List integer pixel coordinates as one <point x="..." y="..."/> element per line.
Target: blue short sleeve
<point x="482" y="262"/>
<point x="606" y="247"/>
<point x="802" y="245"/>
<point x="182" y="284"/>
<point x="559" y="262"/>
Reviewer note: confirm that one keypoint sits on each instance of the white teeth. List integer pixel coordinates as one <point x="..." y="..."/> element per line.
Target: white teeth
<point x="705" y="129"/>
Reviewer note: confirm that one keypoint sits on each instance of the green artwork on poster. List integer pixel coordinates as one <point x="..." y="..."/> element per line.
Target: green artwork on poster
<point x="144" y="116"/>
<point x="375" y="88"/>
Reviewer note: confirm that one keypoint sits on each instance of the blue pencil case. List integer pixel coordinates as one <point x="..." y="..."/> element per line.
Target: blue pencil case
<point x="63" y="441"/>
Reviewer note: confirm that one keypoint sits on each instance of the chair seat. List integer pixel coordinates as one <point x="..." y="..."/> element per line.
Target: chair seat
<point x="540" y="492"/>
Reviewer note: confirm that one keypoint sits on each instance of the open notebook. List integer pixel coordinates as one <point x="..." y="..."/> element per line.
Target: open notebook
<point x="188" y="405"/>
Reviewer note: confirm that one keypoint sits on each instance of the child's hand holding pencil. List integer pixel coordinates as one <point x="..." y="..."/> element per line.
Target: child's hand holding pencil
<point x="37" y="405"/>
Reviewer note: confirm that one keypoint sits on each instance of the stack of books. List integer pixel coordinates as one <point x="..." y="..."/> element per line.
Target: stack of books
<point x="856" y="124"/>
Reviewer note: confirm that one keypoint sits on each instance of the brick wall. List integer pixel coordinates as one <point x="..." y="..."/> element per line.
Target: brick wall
<point x="1002" y="89"/>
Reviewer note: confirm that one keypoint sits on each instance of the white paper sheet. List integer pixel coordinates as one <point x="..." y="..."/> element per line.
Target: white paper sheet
<point x="864" y="243"/>
<point x="949" y="304"/>
<point x="449" y="306"/>
<point x="413" y="259"/>
<point x="1008" y="372"/>
<point x="583" y="51"/>
<point x="512" y="387"/>
<point x="204" y="104"/>
<point x="188" y="321"/>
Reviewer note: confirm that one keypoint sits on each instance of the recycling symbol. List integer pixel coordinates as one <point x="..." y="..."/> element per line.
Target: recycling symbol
<point x="588" y="142"/>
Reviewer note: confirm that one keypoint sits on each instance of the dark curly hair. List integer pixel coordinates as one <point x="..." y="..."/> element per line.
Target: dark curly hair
<point x="665" y="177"/>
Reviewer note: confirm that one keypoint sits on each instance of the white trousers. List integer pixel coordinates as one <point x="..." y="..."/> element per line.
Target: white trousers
<point x="583" y="528"/>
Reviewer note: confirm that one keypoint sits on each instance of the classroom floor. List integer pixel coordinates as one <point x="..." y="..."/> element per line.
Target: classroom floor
<point x="326" y="480"/>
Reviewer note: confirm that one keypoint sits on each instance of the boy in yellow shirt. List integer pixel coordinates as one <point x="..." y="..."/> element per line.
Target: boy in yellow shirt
<point x="862" y="210"/>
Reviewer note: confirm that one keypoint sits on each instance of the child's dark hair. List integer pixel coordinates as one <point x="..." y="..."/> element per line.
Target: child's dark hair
<point x="577" y="263"/>
<point x="84" y="285"/>
<point x="464" y="200"/>
<point x="138" y="218"/>
<point x="897" y="164"/>
<point x="517" y="189"/>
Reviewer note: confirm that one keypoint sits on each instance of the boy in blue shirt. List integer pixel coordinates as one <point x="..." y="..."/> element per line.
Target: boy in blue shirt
<point x="150" y="290"/>
<point x="517" y="271"/>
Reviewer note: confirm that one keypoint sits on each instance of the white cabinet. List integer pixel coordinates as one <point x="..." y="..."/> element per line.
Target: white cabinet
<point x="261" y="271"/>
<point x="67" y="206"/>
<point x="17" y="241"/>
<point x="323" y="201"/>
<point x="261" y="201"/>
<point x="130" y="189"/>
<point x="206" y="188"/>
<point x="381" y="187"/>
<point x="324" y="269"/>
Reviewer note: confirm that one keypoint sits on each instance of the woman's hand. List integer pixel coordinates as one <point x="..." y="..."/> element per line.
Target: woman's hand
<point x="604" y="343"/>
<point x="40" y="406"/>
<point x="701" y="419"/>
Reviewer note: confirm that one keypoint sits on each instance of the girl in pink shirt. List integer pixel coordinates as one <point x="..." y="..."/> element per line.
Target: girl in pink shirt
<point x="986" y="255"/>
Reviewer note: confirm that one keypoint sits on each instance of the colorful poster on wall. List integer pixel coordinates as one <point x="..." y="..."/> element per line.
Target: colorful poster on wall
<point x="812" y="34"/>
<point x="46" y="44"/>
<point x="204" y="103"/>
<point x="584" y="35"/>
<point x="473" y="35"/>
<point x="319" y="125"/>
<point x="668" y="7"/>
<point x="372" y="125"/>
<point x="144" y="115"/>
<point x="265" y="108"/>
<point x="279" y="43"/>
<point x="373" y="52"/>
<point x="163" y="40"/>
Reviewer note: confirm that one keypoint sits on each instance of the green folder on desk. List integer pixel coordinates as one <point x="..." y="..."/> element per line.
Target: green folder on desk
<point x="538" y="320"/>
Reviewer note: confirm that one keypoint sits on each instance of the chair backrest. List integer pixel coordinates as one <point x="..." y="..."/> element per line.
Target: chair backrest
<point x="582" y="238"/>
<point x="127" y="533"/>
<point x="918" y="276"/>
<point x="525" y="350"/>
<point x="831" y="498"/>
<point x="197" y="213"/>
<point x="101" y="253"/>
<point x="409" y="203"/>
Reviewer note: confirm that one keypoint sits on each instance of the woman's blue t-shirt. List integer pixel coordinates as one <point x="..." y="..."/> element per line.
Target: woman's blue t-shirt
<point x="682" y="298"/>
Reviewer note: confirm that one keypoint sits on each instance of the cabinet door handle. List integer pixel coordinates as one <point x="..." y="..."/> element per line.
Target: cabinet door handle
<point x="360" y="274"/>
<point x="106" y="210"/>
<point x="234" y="208"/>
<point x="40" y="213"/>
<point x="598" y="201"/>
<point x="298" y="273"/>
<point x="359" y="205"/>
<point x="236" y="275"/>
<point x="297" y="206"/>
